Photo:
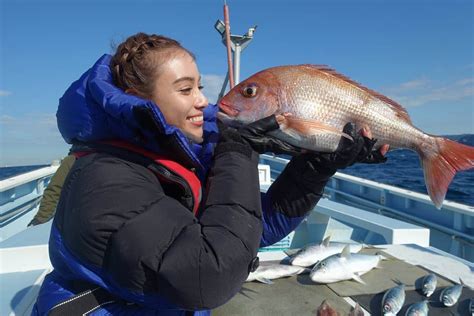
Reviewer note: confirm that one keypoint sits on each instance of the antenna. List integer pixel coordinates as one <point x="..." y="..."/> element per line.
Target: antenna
<point x="234" y="43"/>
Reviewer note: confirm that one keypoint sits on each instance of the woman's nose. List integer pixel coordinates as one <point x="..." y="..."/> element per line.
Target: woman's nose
<point x="201" y="101"/>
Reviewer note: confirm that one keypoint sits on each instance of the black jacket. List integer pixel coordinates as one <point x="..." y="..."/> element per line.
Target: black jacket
<point x="157" y="244"/>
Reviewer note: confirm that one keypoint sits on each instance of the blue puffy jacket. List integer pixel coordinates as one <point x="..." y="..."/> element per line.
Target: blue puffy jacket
<point x="94" y="109"/>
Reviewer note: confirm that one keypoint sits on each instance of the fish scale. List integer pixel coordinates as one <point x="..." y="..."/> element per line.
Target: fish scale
<point x="313" y="104"/>
<point x="337" y="105"/>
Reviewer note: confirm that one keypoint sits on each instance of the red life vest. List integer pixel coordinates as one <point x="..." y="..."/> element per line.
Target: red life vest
<point x="175" y="168"/>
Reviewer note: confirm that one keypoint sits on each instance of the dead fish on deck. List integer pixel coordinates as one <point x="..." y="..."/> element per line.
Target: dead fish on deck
<point x="357" y="311"/>
<point x="344" y="266"/>
<point x="266" y="273"/>
<point x="450" y="295"/>
<point x="418" y="309"/>
<point x="313" y="103"/>
<point x="326" y="310"/>
<point x="428" y="284"/>
<point x="393" y="299"/>
<point x="311" y="254"/>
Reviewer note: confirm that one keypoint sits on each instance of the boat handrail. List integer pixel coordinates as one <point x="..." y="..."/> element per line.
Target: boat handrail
<point x="23" y="178"/>
<point x="424" y="198"/>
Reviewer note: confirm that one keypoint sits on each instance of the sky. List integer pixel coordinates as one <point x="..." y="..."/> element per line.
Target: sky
<point x="419" y="53"/>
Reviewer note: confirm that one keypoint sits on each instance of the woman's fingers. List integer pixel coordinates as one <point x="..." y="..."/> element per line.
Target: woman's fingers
<point x="366" y="132"/>
<point x="384" y="149"/>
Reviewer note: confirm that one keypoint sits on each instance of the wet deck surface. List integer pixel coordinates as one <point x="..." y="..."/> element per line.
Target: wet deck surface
<point x="298" y="295"/>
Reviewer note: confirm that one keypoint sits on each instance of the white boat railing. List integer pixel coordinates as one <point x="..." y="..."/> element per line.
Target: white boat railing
<point x="452" y="226"/>
<point x="19" y="198"/>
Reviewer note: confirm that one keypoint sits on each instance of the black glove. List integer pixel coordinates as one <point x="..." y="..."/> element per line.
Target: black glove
<point x="360" y="149"/>
<point x="255" y="135"/>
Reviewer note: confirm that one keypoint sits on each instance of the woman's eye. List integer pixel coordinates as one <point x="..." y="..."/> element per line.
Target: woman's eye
<point x="249" y="91"/>
<point x="186" y="90"/>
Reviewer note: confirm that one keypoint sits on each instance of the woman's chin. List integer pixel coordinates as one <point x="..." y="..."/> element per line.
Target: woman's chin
<point x="194" y="138"/>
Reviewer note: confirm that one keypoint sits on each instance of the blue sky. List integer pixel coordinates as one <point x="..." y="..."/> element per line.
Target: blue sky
<point x="419" y="53"/>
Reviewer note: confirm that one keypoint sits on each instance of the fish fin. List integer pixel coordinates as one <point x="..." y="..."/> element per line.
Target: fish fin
<point x="356" y="311"/>
<point x="264" y="280"/>
<point x="305" y="271"/>
<point x="440" y="167"/>
<point x="326" y="241"/>
<point x="346" y="252"/>
<point x="357" y="278"/>
<point x="310" y="127"/>
<point x="397" y="108"/>
<point x="382" y="257"/>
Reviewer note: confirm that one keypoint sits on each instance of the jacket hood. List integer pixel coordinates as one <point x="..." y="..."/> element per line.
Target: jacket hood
<point x="93" y="109"/>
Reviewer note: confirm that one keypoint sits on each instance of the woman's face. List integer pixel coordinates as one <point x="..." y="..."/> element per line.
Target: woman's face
<point x="177" y="92"/>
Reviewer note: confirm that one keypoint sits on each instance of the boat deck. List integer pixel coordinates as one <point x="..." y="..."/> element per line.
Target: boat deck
<point x="298" y="295"/>
<point x="24" y="254"/>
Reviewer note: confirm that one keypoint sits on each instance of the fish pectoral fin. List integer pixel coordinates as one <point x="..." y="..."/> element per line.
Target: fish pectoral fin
<point x="310" y="127"/>
<point x="305" y="271"/>
<point x="357" y="278"/>
<point x="326" y="241"/>
<point x="264" y="280"/>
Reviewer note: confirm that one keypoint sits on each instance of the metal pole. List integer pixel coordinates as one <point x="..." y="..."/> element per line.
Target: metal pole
<point x="228" y="44"/>
<point x="237" y="51"/>
<point x="224" y="85"/>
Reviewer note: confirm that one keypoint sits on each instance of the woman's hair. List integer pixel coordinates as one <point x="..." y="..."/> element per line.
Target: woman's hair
<point x="136" y="62"/>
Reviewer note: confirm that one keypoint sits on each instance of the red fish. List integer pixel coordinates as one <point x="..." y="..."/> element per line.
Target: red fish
<point x="326" y="310"/>
<point x="313" y="103"/>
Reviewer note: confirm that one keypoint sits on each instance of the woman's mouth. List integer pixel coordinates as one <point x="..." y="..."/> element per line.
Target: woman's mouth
<point x="197" y="120"/>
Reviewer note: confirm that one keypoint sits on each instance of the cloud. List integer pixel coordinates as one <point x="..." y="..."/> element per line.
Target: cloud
<point x="4" y="93"/>
<point x="422" y="91"/>
<point x="30" y="129"/>
<point x="30" y="139"/>
<point x="7" y="119"/>
<point x="212" y="86"/>
<point x="414" y="84"/>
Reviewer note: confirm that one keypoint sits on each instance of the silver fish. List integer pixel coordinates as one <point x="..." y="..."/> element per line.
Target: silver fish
<point x="311" y="254"/>
<point x="393" y="299"/>
<point x="266" y="273"/>
<point x="344" y="266"/>
<point x="450" y="295"/>
<point x="313" y="103"/>
<point x="428" y="284"/>
<point x="418" y="309"/>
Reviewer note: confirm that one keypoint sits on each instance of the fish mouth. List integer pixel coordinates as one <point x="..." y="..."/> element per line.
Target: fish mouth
<point x="228" y="110"/>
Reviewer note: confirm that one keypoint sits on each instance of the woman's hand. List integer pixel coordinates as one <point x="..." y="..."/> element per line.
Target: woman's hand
<point x="255" y="135"/>
<point x="349" y="152"/>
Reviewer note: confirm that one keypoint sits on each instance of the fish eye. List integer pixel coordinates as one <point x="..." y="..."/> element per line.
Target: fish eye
<point x="249" y="91"/>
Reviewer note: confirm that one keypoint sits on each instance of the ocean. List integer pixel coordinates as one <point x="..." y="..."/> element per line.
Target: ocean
<point x="402" y="169"/>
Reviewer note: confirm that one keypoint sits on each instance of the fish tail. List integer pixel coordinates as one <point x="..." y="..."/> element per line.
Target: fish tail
<point x="440" y="166"/>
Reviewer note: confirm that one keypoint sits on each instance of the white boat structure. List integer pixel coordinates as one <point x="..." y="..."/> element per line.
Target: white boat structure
<point x="404" y="224"/>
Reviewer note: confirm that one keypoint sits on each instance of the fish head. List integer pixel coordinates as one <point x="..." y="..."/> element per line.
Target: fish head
<point x="447" y="300"/>
<point x="326" y="271"/>
<point x="387" y="308"/>
<point x="252" y="99"/>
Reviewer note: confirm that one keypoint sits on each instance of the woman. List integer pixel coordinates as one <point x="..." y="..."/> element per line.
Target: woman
<point x="133" y="232"/>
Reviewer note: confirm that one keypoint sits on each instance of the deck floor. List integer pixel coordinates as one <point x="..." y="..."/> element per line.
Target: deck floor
<point x="298" y="295"/>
